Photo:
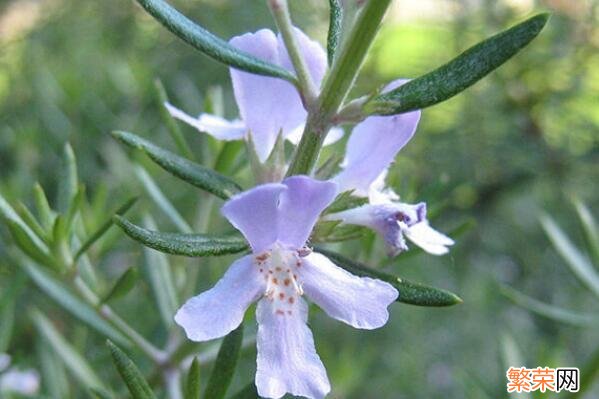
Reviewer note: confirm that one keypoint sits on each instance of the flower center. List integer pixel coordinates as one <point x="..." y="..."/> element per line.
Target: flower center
<point x="279" y="266"/>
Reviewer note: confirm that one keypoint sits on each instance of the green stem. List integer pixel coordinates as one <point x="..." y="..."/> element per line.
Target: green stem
<point x="280" y="12"/>
<point x="172" y="380"/>
<point x="107" y="313"/>
<point x="337" y="85"/>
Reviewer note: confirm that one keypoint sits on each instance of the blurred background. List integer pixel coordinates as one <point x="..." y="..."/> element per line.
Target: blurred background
<point x="522" y="142"/>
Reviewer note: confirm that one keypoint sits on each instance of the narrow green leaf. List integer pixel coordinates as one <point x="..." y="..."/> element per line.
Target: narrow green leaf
<point x="329" y="167"/>
<point x="8" y="300"/>
<point x="182" y="168"/>
<point x="335" y="21"/>
<point x="86" y="270"/>
<point x="224" y="367"/>
<point x="99" y="394"/>
<point x="410" y="293"/>
<point x="323" y="229"/>
<point x="60" y="242"/>
<point x="136" y="383"/>
<point x="30" y="220"/>
<point x="225" y="161"/>
<point x="549" y="311"/>
<point x="7" y="323"/>
<point x="591" y="231"/>
<point x="67" y="183"/>
<point x="192" y="386"/>
<point x="460" y="73"/>
<point x="54" y="376"/>
<point x="123" y="285"/>
<point x="159" y="273"/>
<point x="59" y="230"/>
<point x="74" y="362"/>
<point x="45" y="213"/>
<point x="71" y="303"/>
<point x="578" y="263"/>
<point x="183" y="244"/>
<point x="36" y="251"/>
<point x="10" y="216"/>
<point x="74" y="207"/>
<point x="12" y="290"/>
<point x="209" y="44"/>
<point x="249" y="392"/>
<point x="512" y="357"/>
<point x="123" y="209"/>
<point x="169" y="121"/>
<point x="340" y="233"/>
<point x="160" y="200"/>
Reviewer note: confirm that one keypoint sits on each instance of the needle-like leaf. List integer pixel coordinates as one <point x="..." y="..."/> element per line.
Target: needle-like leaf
<point x="182" y="168"/>
<point x="224" y="367"/>
<point x="459" y="73"/>
<point x="183" y="244"/>
<point x="136" y="383"/>
<point x="208" y="43"/>
<point x="410" y="293"/>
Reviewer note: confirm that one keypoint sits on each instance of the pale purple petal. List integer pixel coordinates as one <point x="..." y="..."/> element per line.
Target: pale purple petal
<point x="390" y="219"/>
<point x="218" y="311"/>
<point x="214" y="125"/>
<point x="428" y="238"/>
<point x="313" y="53"/>
<point x="287" y="360"/>
<point x="379" y="193"/>
<point x="23" y="382"/>
<point x="299" y="208"/>
<point x="266" y="105"/>
<point x="372" y="147"/>
<point x="358" y="301"/>
<point x="255" y="213"/>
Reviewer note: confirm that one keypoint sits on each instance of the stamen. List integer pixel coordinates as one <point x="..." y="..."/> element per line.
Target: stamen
<point x="304" y="251"/>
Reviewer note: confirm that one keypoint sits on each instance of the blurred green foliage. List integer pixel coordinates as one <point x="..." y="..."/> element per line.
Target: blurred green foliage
<point x="522" y="141"/>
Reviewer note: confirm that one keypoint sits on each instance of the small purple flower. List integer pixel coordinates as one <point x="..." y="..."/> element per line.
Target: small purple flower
<point x="371" y="148"/>
<point x="277" y="219"/>
<point x="17" y="381"/>
<point x="394" y="220"/>
<point x="267" y="106"/>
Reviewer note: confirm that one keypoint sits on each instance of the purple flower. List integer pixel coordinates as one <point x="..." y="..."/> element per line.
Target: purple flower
<point x="394" y="220"/>
<point x="371" y="149"/>
<point x="277" y="219"/>
<point x="267" y="106"/>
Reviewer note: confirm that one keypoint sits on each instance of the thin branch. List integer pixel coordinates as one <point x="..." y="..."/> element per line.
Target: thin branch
<point x="280" y="12"/>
